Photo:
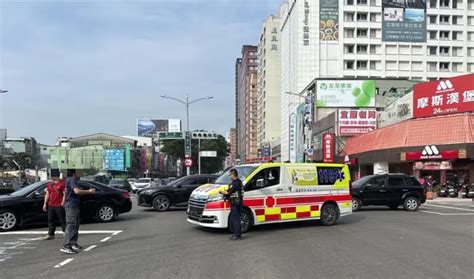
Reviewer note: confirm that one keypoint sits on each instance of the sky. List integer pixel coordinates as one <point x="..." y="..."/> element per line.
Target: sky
<point x="73" y="68"/>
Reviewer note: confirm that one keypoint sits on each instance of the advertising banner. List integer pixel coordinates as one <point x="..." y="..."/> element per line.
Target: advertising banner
<point x="345" y="93"/>
<point x="174" y="125"/>
<point x="401" y="109"/>
<point x="328" y="20"/>
<point x="404" y="21"/>
<point x="356" y="122"/>
<point x="432" y="153"/>
<point x="114" y="159"/>
<point x="150" y="127"/>
<point x="300" y="124"/>
<point x="328" y="147"/>
<point x="440" y="97"/>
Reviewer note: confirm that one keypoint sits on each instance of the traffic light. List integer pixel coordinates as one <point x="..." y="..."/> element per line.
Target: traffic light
<point x="204" y="135"/>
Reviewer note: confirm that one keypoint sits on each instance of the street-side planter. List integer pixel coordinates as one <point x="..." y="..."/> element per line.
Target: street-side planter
<point x="430" y="195"/>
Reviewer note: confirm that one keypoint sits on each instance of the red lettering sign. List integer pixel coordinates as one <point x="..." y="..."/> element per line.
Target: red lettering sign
<point x="328" y="148"/>
<point x="432" y="153"/>
<point x="447" y="96"/>
<point x="365" y="121"/>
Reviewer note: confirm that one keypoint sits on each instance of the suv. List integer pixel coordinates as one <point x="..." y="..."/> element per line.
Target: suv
<point x="175" y="193"/>
<point x="392" y="190"/>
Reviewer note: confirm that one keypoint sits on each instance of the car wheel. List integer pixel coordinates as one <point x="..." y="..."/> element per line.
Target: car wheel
<point x="356" y="204"/>
<point x="105" y="213"/>
<point x="411" y="204"/>
<point x="246" y="222"/>
<point x="329" y="214"/>
<point x="161" y="203"/>
<point x="393" y="206"/>
<point x="8" y="220"/>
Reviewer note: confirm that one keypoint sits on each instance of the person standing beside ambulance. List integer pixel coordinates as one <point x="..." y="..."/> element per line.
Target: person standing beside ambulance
<point x="235" y="194"/>
<point x="54" y="205"/>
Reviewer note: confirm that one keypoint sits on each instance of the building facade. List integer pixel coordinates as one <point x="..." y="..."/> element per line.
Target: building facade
<point x="246" y="103"/>
<point x="299" y="48"/>
<point x="269" y="83"/>
<point x="233" y="144"/>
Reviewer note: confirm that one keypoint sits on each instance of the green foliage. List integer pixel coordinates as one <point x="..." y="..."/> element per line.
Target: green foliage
<point x="175" y="148"/>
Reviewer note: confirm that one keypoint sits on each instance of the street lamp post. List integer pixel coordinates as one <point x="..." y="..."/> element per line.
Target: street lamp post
<point x="186" y="102"/>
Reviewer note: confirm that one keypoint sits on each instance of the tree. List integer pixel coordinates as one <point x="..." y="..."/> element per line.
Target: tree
<point x="175" y="148"/>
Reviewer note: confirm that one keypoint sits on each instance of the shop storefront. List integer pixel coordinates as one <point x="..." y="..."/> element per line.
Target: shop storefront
<point x="441" y="147"/>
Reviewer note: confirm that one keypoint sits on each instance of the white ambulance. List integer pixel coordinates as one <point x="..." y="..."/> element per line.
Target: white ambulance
<point x="277" y="192"/>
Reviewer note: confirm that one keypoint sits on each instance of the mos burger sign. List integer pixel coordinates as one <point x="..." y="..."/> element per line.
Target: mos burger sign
<point x="431" y="152"/>
<point x="447" y="96"/>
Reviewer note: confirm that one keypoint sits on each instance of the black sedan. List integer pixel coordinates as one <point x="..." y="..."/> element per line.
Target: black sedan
<point x="176" y="193"/>
<point x="25" y="206"/>
<point x="121" y="184"/>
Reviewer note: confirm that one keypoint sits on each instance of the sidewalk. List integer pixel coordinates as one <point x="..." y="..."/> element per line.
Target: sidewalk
<point x="451" y="201"/>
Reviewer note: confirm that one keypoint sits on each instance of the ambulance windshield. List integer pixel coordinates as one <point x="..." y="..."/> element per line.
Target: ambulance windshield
<point x="244" y="171"/>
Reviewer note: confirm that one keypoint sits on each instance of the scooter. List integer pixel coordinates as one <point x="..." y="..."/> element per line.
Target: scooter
<point x="464" y="190"/>
<point x="452" y="191"/>
<point x="470" y="191"/>
<point x="443" y="191"/>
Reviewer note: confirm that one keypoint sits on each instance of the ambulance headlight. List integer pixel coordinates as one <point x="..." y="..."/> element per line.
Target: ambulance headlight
<point x="216" y="198"/>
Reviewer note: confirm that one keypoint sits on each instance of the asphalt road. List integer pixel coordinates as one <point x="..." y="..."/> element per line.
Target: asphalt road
<point x="435" y="242"/>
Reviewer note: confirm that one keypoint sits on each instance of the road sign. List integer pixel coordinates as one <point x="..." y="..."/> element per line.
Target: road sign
<point x="310" y="152"/>
<point x="208" y="154"/>
<point x="170" y="135"/>
<point x="187" y="144"/>
<point x="188" y="162"/>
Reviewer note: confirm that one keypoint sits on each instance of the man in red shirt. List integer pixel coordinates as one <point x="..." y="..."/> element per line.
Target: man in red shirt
<point x="54" y="205"/>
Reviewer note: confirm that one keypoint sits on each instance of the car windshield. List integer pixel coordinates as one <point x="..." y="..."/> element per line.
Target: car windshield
<point x="27" y="189"/>
<point x="361" y="181"/>
<point x="244" y="171"/>
<point x="143" y="180"/>
<point x="116" y="181"/>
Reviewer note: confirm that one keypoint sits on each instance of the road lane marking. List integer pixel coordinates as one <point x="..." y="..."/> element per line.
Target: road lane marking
<point x="450" y="207"/>
<point x="64" y="263"/>
<point x="448" y="214"/>
<point x="45" y="232"/>
<point x="105" y="239"/>
<point x="90" y="248"/>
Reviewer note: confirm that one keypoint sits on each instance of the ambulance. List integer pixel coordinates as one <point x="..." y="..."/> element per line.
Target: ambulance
<point x="275" y="193"/>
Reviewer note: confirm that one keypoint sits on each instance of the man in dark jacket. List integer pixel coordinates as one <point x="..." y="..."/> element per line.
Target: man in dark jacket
<point x="235" y="194"/>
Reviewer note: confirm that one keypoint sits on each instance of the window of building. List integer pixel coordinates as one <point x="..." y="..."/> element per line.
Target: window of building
<point x="361" y="16"/>
<point x="404" y="66"/>
<point x="362" y="65"/>
<point x="391" y="49"/>
<point x="457" y="20"/>
<point x="470" y="67"/>
<point x="431" y="66"/>
<point x="349" y="65"/>
<point x="470" y="36"/>
<point x="456" y="3"/>
<point x="444" y="19"/>
<point x="470" y="51"/>
<point x="444" y="66"/>
<point x="444" y="3"/>
<point x="373" y="65"/>
<point x="349" y="2"/>
<point x="349" y="49"/>
<point x="373" y="17"/>
<point x="457" y="51"/>
<point x="432" y="50"/>
<point x="349" y="16"/>
<point x="444" y="35"/>
<point x="457" y="67"/>
<point x="416" y="49"/>
<point x="433" y="35"/>
<point x="416" y="66"/>
<point x="457" y="35"/>
<point x="348" y="32"/>
<point x="362" y="33"/>
<point x="433" y="19"/>
<point x="373" y="33"/>
<point x="404" y="49"/>
<point x="433" y="3"/>
<point x="391" y="65"/>
<point x="361" y="2"/>
<point x="361" y="49"/>
<point x="374" y="49"/>
<point x="373" y="2"/>
<point x="444" y="51"/>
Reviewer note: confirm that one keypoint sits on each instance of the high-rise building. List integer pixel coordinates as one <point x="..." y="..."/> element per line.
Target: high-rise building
<point x="299" y="61"/>
<point x="246" y="103"/>
<point x="269" y="82"/>
<point x="233" y="144"/>
<point x="370" y="39"/>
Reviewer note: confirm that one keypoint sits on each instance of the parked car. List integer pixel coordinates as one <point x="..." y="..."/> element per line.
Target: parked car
<point x="121" y="184"/>
<point x="142" y="183"/>
<point x="392" y="190"/>
<point x="176" y="193"/>
<point x="25" y="206"/>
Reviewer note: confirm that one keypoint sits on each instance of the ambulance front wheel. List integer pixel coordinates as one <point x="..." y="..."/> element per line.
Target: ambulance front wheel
<point x="329" y="214"/>
<point x="246" y="221"/>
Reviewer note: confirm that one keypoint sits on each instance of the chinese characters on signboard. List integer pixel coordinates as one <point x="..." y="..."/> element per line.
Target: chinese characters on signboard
<point x="306" y="23"/>
<point x="345" y="93"/>
<point x="404" y="21"/>
<point x="114" y="159"/>
<point x="453" y="95"/>
<point x="328" y="148"/>
<point x="328" y="20"/>
<point x="401" y="109"/>
<point x="356" y="122"/>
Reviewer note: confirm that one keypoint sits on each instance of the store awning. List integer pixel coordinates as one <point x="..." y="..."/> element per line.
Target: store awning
<point x="449" y="129"/>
